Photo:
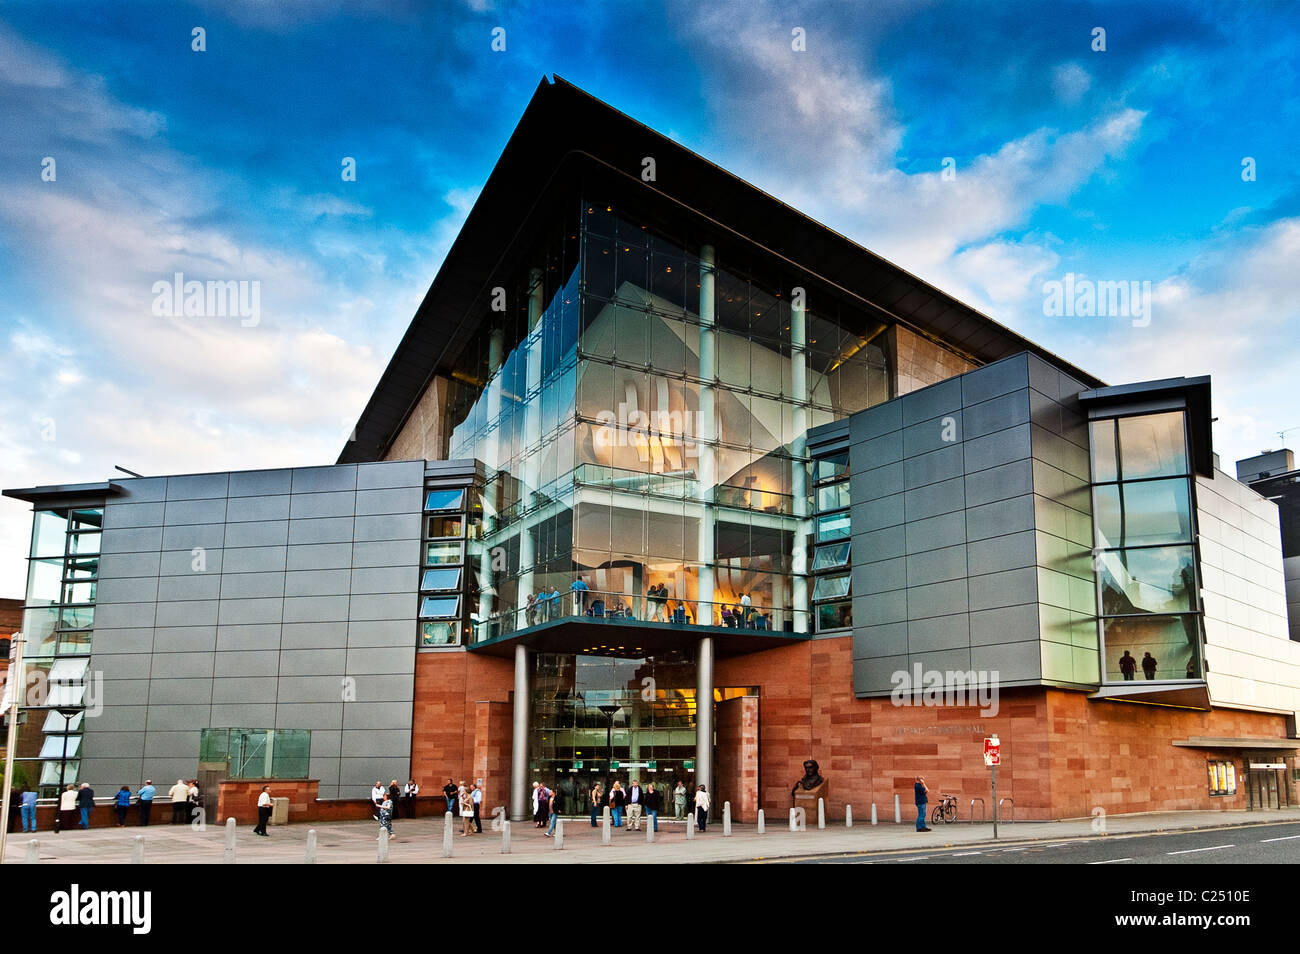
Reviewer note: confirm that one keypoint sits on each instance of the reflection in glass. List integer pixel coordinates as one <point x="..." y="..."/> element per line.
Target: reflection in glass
<point x="49" y="532"/>
<point x="1149" y="580"/>
<point x="831" y="556"/>
<point x="833" y="527"/>
<point x="834" y="616"/>
<point x="444" y="500"/>
<point x="437" y="553"/>
<point x="831" y="587"/>
<point x="1133" y="514"/>
<point x="435" y="606"/>
<point x="1152" y="445"/>
<point x="448" y="579"/>
<point x="439" y="633"/>
<point x="1105" y="465"/>
<point x="1158" y="648"/>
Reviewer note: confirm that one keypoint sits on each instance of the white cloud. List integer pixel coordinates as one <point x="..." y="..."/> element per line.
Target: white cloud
<point x="1070" y="81"/>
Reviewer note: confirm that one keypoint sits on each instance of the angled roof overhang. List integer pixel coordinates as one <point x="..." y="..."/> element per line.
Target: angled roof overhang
<point x="1167" y="394"/>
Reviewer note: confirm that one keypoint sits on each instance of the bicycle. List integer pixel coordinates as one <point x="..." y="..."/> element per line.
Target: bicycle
<point x="945" y="811"/>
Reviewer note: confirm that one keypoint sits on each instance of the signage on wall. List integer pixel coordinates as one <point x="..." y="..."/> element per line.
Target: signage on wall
<point x="652" y="765"/>
<point x="577" y="765"/>
<point x="1223" y="778"/>
<point x="992" y="751"/>
<point x="1268" y="765"/>
<point x="613" y="765"/>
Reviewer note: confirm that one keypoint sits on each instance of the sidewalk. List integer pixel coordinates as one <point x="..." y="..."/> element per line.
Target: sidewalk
<point x="420" y="842"/>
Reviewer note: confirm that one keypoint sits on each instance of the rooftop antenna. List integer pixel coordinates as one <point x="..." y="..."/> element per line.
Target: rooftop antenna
<point x="125" y="471"/>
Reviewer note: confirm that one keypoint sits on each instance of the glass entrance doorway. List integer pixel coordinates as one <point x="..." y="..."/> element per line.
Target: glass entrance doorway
<point x="601" y="718"/>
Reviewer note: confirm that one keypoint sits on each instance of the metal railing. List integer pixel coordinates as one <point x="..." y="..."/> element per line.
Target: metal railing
<point x="1011" y="816"/>
<point x="984" y="812"/>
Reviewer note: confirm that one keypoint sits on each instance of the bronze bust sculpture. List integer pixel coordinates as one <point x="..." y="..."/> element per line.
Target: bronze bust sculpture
<point x="811" y="777"/>
<point x="811" y="787"/>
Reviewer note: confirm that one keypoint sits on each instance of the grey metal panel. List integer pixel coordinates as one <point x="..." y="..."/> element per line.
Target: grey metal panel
<point x="118" y="745"/>
<point x="887" y="639"/>
<point x="1001" y="553"/>
<point x="938" y="632"/>
<point x="1044" y="378"/>
<point x="388" y="527"/>
<point x="326" y="743"/>
<point x="395" y="659"/>
<point x="311" y="480"/>
<point x="117" y="718"/>
<point x="183" y="639"/>
<point x="1000" y="517"/>
<point x="932" y="434"/>
<point x="122" y="565"/>
<point x="243" y="689"/>
<point x="1012" y="661"/>
<point x="197" y="486"/>
<point x="171" y="691"/>
<point x="125" y="615"/>
<point x="209" y="536"/>
<point x="139" y="589"/>
<point x="875" y="483"/>
<point x="195" y="511"/>
<point x="326" y="556"/>
<point x="257" y="509"/>
<point x="1008" y="588"/>
<point x="308" y="609"/>
<point x="239" y="612"/>
<point x="392" y="632"/>
<point x="944" y="660"/>
<point x="878" y="451"/>
<point x="394" y="743"/>
<point x="356" y="776"/>
<point x="114" y="640"/>
<point x="387" y="553"/>
<point x="934" y="499"/>
<point x="107" y="775"/>
<point x="122" y="665"/>
<point x="314" y="635"/>
<point x="312" y="715"/>
<point x="400" y="473"/>
<point x="140" y="490"/>
<point x="880" y="576"/>
<point x="173" y="718"/>
<point x="935" y="566"/>
<point x="314" y="662"/>
<point x="124" y="691"/>
<point x="999" y="483"/>
<point x="172" y="767"/>
<point x="317" y="582"/>
<point x="180" y="562"/>
<point x="379" y="715"/>
<point x="936" y="599"/>
<point x="125" y="515"/>
<point x="876" y="514"/>
<point x="386" y="579"/>
<point x="260" y="483"/>
<point x="385" y="606"/>
<point x="994" y="379"/>
<point x="263" y="662"/>
<point x="1045" y="412"/>
<point x="131" y="540"/>
<point x="933" y="401"/>
<point x="160" y="746"/>
<point x="942" y="464"/>
<point x="255" y="636"/>
<point x="321" y="530"/>
<point x="875" y="608"/>
<point x="402" y="500"/>
<point x="310" y="689"/>
<point x="997" y="414"/>
<point x="935" y="533"/>
<point x="309" y="506"/>
<point x="254" y="560"/>
<point x="1005" y="624"/>
<point x="877" y="674"/>
<point x="193" y="586"/>
<point x="879" y="544"/>
<point x="260" y="533"/>
<point x="242" y="715"/>
<point x="999" y="448"/>
<point x="875" y="421"/>
<point x="236" y="586"/>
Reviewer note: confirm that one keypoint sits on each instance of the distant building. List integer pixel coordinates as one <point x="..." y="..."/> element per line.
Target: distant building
<point x="1273" y="475"/>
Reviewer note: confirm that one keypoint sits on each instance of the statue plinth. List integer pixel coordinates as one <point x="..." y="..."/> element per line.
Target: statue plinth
<point x="810" y="788"/>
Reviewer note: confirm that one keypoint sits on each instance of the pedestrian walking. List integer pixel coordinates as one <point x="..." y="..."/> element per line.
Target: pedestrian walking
<point x="466" y="810"/>
<point x="27" y="804"/>
<point x="450" y="793"/>
<point x="921" y="795"/>
<point x="597" y="803"/>
<point x="477" y="797"/>
<point x="635" y="804"/>
<point x="121" y="803"/>
<point x="144" y="798"/>
<point x="180" y="796"/>
<point x="654" y="804"/>
<point x="679" y="801"/>
<point x="409" y="794"/>
<point x="537" y="808"/>
<point x="68" y="807"/>
<point x="263" y="811"/>
<point x="702" y="807"/>
<point x="617" y="799"/>
<point x="1127" y="665"/>
<point x="544" y="799"/>
<point x="377" y="797"/>
<point x="194" y="800"/>
<point x="386" y="815"/>
<point x="86" y="803"/>
<point x="553" y="813"/>
<point x="1148" y="665"/>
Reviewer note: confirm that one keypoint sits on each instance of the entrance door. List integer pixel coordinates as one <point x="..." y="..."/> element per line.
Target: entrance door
<point x="1264" y="789"/>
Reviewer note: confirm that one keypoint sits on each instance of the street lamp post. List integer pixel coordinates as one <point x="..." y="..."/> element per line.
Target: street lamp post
<point x="67" y="712"/>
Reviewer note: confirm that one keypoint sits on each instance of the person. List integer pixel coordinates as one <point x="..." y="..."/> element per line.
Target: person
<point x="1127" y="665"/>
<point x="263" y="811"/>
<point x="530" y="610"/>
<point x="597" y="802"/>
<point x="1148" y="665"/>
<point x="654" y="804"/>
<point x="121" y="803"/>
<point x="635" y="803"/>
<point x="553" y="603"/>
<point x="449" y="792"/>
<point x="394" y="792"/>
<point x="145" y="799"/>
<point x="195" y="799"/>
<point x="702" y="807"/>
<point x="27" y="804"/>
<point x="652" y="603"/>
<point x="554" y="814"/>
<point x="579" y="588"/>
<point x="466" y="810"/>
<point x="544" y="797"/>
<point x="179" y="794"/>
<point x="409" y="794"/>
<point x="679" y="801"/>
<point x="1191" y="668"/>
<point x="477" y="798"/>
<point x="617" y="799"/>
<point x="727" y="619"/>
<point x="537" y="807"/>
<point x="376" y="796"/>
<point x="68" y="807"/>
<point x="86" y="802"/>
<point x="921" y="795"/>
<point x="386" y="814"/>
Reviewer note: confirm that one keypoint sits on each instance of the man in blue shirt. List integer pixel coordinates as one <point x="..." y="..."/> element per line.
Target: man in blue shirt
<point x="553" y="603"/>
<point x="146" y="795"/>
<point x="579" y="588"/>
<point x="922" y="798"/>
<point x="28" y="803"/>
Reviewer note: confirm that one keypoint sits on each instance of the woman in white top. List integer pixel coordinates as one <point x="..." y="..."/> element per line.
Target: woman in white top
<point x="466" y="810"/>
<point x="68" y="807"/>
<point x="701" y="807"/>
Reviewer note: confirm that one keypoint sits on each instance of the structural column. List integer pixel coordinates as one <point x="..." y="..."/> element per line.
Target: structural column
<point x="706" y="436"/>
<point x="519" y="793"/>
<point x="799" y="466"/>
<point x="532" y="437"/>
<point x="704" y="715"/>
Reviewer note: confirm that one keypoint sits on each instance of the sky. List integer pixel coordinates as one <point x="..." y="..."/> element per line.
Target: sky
<point x="991" y="149"/>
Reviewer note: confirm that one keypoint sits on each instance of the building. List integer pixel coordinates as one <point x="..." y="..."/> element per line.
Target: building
<point x="1274" y="476"/>
<point x="668" y="481"/>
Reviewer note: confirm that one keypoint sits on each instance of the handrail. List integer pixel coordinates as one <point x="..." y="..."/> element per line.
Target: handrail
<point x="984" y="812"/>
<point x="1008" y="798"/>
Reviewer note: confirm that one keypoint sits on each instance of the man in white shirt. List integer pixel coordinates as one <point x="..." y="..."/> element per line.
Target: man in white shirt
<point x="180" y="793"/>
<point x="263" y="811"/>
<point x="478" y="801"/>
<point x="377" y="797"/>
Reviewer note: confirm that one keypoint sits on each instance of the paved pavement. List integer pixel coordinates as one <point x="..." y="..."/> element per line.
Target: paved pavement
<point x="420" y="841"/>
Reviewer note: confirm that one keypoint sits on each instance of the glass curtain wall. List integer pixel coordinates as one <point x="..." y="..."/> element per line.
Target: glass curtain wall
<point x="643" y="419"/>
<point x="1146" y="564"/>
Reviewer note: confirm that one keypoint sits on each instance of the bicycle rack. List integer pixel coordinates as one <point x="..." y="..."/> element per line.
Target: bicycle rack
<point x="1007" y="798"/>
<point x="983" y="810"/>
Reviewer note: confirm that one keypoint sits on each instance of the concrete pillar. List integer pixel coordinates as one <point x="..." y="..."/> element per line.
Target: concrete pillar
<point x="704" y="715"/>
<point x="605" y="827"/>
<point x="898" y="811"/>
<point x="137" y="851"/>
<point x="726" y="819"/>
<point x="762" y="822"/>
<point x="821" y="813"/>
<point x="448" y="834"/>
<point x="559" y="834"/>
<point x="33" y="853"/>
<point x="707" y="436"/>
<point x="505" y="837"/>
<point x="383" y="846"/>
<point x="310" y="856"/>
<point x="874" y="819"/>
<point x="228" y="855"/>
<point x="799" y="450"/>
<point x="519" y="793"/>
<point x="848" y="816"/>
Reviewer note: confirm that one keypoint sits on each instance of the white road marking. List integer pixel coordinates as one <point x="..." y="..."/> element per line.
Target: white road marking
<point x="1287" y="838"/>
<point x="1110" y="862"/>
<point x="964" y="854"/>
<point x="1190" y="851"/>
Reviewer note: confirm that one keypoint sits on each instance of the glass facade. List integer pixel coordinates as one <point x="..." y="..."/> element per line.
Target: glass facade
<point x="1145" y="560"/>
<point x="640" y="405"/>
<point x="257" y="753"/>
<point x="832" y="552"/>
<point x="451" y="525"/>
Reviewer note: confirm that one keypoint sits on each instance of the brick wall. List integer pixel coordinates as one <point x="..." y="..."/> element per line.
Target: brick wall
<point x="736" y="773"/>
<point x="493" y="731"/>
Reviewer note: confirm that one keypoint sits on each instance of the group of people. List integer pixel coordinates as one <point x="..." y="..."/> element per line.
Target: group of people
<point x="1128" y="665"/>
<point x="744" y="615"/>
<point x="541" y="606"/>
<point x="76" y="803"/>
<point x="386" y="800"/>
<point x="635" y="801"/>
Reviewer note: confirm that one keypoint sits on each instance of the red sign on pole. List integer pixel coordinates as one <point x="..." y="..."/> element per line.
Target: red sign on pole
<point x="993" y="751"/>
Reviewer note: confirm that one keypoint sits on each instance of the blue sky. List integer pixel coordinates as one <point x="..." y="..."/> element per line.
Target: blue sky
<point x="1122" y="164"/>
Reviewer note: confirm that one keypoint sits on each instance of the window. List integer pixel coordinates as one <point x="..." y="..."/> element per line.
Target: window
<point x="833" y="527"/>
<point x="439" y="633"/>
<point x="446" y="526"/>
<point x="53" y="747"/>
<point x="444" y="499"/>
<point x="448" y="579"/>
<point x="440" y="553"/>
<point x="831" y="556"/>
<point x="831" y="587"/>
<point x="439" y="606"/>
<point x="834" y="616"/>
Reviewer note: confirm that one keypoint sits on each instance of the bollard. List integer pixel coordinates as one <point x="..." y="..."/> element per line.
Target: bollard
<point x="33" y="855"/>
<point x="505" y="836"/>
<point x="874" y="820"/>
<point x="559" y="833"/>
<point x="798" y="819"/>
<point x="821" y="813"/>
<point x="762" y="822"/>
<point x="137" y="850"/>
<point x="383" y="846"/>
<point x="726" y="819"/>
<point x="848" y="816"/>
<point x="447" y="834"/>
<point x="898" y="812"/>
<point x="228" y="857"/>
<point x="690" y="829"/>
<point x="311" y="847"/>
<point x="650" y="832"/>
<point x="605" y="828"/>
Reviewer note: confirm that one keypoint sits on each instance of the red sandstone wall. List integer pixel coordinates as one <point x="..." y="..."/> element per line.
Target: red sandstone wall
<point x="493" y="732"/>
<point x="448" y="687"/>
<point x="736" y="773"/>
